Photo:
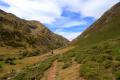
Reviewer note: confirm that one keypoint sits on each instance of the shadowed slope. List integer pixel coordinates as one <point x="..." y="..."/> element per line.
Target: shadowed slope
<point x="30" y="35"/>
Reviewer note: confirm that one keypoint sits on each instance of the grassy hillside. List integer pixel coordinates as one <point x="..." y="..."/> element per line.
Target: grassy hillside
<point x="107" y="27"/>
<point x="31" y="37"/>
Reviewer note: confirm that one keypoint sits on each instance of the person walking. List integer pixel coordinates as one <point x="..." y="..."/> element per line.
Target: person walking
<point x="52" y="52"/>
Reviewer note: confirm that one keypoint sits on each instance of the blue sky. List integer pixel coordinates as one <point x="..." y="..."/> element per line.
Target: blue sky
<point x="68" y="18"/>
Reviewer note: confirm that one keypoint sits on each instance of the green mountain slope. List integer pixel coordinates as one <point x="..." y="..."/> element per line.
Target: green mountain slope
<point x="31" y="36"/>
<point x="107" y="27"/>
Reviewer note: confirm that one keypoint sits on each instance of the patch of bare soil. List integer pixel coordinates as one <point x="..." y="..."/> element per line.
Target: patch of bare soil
<point x="52" y="72"/>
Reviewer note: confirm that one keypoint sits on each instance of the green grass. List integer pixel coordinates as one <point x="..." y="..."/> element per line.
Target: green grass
<point x="101" y="30"/>
<point x="35" y="71"/>
<point x="98" y="61"/>
<point x="1" y="64"/>
<point x="90" y="71"/>
<point x="117" y="75"/>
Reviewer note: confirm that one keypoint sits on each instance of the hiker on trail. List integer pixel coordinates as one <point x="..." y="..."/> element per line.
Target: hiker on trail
<point x="52" y="52"/>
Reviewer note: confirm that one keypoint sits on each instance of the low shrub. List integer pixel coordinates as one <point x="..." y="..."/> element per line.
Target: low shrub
<point x="1" y="65"/>
<point x="106" y="76"/>
<point x="10" y="61"/>
<point x="90" y="71"/>
<point x="66" y="65"/>
<point x="117" y="58"/>
<point x="107" y="64"/>
<point x="117" y="75"/>
<point x="80" y="57"/>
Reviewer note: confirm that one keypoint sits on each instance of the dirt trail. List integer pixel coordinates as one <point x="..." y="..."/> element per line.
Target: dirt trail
<point x="57" y="73"/>
<point x="52" y="72"/>
<point x="60" y="51"/>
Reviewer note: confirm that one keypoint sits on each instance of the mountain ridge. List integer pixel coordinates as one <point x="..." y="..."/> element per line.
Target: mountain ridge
<point x="107" y="20"/>
<point x="16" y="32"/>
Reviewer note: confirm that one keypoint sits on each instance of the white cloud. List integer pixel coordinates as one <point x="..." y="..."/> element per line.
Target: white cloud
<point x="45" y="11"/>
<point x="73" y="24"/>
<point x="68" y="35"/>
<point x="96" y="8"/>
<point x="93" y="8"/>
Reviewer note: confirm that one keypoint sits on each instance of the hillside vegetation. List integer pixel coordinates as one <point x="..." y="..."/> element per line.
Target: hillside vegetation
<point x="107" y="27"/>
<point x="31" y="37"/>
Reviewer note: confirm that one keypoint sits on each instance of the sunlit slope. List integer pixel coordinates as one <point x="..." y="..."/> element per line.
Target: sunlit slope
<point x="107" y="27"/>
